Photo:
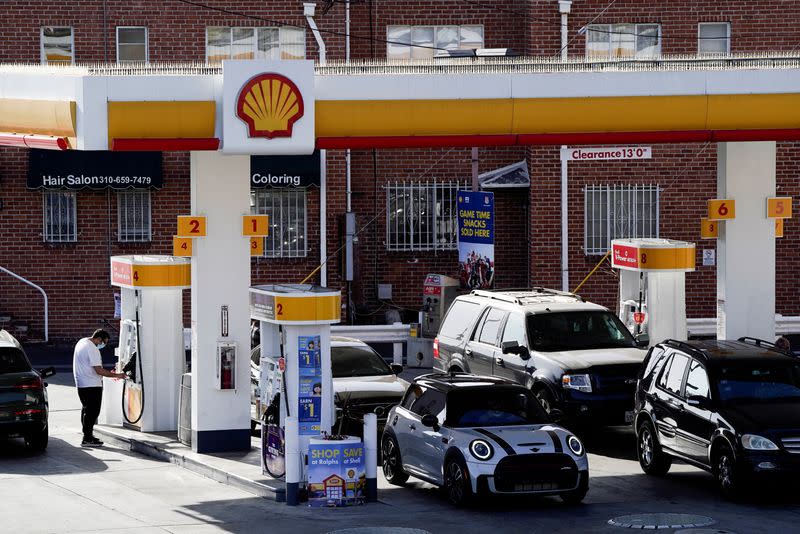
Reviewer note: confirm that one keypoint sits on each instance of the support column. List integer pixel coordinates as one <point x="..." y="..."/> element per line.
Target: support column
<point x="746" y="244"/>
<point x="220" y="191"/>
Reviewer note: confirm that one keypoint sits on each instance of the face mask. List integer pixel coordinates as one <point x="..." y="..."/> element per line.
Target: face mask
<point x="100" y="346"/>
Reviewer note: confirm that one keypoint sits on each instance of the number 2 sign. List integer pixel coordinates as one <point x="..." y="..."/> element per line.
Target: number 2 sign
<point x="191" y="226"/>
<point x="720" y="209"/>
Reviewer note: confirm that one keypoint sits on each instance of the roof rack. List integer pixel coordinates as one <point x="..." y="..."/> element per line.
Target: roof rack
<point x="521" y="299"/>
<point x="686" y="346"/>
<point x="764" y="343"/>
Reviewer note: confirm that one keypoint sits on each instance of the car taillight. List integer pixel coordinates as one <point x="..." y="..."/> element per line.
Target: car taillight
<point x="28" y="412"/>
<point x="436" y="348"/>
<point x="30" y="383"/>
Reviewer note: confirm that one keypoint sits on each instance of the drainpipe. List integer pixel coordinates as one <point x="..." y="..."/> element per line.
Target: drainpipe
<point x="308" y="10"/>
<point x="349" y="191"/>
<point x="564" y="7"/>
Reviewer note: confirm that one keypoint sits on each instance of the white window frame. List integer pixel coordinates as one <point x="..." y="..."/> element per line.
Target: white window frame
<point x="134" y="231"/>
<point x="256" y="30"/>
<point x="43" y="56"/>
<point x="48" y="214"/>
<point x="146" y="43"/>
<point x="441" y="232"/>
<point x="435" y="29"/>
<point x="603" y="224"/>
<point x="287" y="198"/>
<point x="727" y="37"/>
<point x="612" y="30"/>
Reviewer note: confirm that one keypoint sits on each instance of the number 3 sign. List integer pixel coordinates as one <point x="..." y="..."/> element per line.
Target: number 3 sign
<point x="721" y="209"/>
<point x="191" y="226"/>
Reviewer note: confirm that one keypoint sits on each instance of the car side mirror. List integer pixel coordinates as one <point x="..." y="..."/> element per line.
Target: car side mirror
<point x="642" y="340"/>
<point x="397" y="368"/>
<point x="47" y="372"/>
<point x="698" y="401"/>
<point x="513" y="347"/>
<point x="430" y="421"/>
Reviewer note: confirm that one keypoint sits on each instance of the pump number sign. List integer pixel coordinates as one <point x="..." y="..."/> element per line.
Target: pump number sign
<point x="720" y="209"/>
<point x="255" y="225"/>
<point x="181" y="246"/>
<point x="779" y="207"/>
<point x="191" y="226"/>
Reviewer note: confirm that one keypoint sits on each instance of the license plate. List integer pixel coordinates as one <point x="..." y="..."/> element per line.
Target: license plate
<point x="629" y="417"/>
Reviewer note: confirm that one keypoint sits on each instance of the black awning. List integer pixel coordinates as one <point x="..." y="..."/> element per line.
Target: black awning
<point x="80" y="169"/>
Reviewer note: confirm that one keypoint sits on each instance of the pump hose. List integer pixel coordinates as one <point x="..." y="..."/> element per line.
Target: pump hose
<point x="139" y="361"/>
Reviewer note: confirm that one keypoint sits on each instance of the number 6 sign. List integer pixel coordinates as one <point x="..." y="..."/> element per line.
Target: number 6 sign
<point x="721" y="209"/>
<point x="191" y="226"/>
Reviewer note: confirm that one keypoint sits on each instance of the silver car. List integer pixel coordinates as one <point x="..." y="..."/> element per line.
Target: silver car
<point x="472" y="434"/>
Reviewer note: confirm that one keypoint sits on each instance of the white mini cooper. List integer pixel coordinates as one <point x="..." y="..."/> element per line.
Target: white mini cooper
<point x="472" y="434"/>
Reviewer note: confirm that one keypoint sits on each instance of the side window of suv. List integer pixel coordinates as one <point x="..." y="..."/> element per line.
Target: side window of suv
<point x="671" y="377"/>
<point x="515" y="329"/>
<point x="697" y="380"/>
<point x="459" y="318"/>
<point x="491" y="326"/>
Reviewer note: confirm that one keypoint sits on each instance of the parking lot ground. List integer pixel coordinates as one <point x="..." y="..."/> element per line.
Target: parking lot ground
<point x="70" y="489"/>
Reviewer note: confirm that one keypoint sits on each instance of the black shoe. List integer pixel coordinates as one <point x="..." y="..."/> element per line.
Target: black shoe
<point x="91" y="442"/>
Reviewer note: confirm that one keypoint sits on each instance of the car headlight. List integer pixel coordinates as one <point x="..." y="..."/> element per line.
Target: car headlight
<point x="481" y="449"/>
<point x="577" y="382"/>
<point x="757" y="443"/>
<point x="575" y="445"/>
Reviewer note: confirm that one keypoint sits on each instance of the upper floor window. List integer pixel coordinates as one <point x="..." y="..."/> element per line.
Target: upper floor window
<point x="286" y="42"/>
<point x="713" y="38"/>
<point x="618" y="212"/>
<point x="421" y="42"/>
<point x="421" y="216"/>
<point x="623" y="41"/>
<point x="132" y="44"/>
<point x="57" y="45"/>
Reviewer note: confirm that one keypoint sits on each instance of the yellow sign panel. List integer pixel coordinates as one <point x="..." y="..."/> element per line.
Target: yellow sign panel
<point x="181" y="246"/>
<point x="721" y="208"/>
<point x="779" y="207"/>
<point x="778" y="227"/>
<point x="256" y="246"/>
<point x="255" y="225"/>
<point x="191" y="226"/>
<point x="133" y="275"/>
<point x="709" y="229"/>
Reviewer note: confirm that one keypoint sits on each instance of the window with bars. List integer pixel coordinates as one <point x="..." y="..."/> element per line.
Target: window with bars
<point x="57" y="45"/>
<point x="618" y="212"/>
<point x="422" y="216"/>
<point x="420" y="42"/>
<point x="623" y="41"/>
<point x="133" y="216"/>
<point x="287" y="221"/>
<point x="286" y="42"/>
<point x="60" y="217"/>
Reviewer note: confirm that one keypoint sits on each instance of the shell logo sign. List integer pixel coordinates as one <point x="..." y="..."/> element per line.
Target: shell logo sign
<point x="269" y="104"/>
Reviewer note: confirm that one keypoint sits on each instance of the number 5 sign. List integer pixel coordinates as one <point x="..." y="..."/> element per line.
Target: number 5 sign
<point x="721" y="209"/>
<point x="191" y="226"/>
<point x="779" y="207"/>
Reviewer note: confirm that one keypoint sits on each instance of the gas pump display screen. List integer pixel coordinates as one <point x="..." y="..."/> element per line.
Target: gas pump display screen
<point x="310" y="391"/>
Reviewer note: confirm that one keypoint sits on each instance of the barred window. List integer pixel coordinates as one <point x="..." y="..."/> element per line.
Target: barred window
<point x="133" y="216"/>
<point x="286" y="42"/>
<point x="618" y="212"/>
<point x="60" y="217"/>
<point x="287" y="221"/>
<point x="422" y="216"/>
<point x="57" y="45"/>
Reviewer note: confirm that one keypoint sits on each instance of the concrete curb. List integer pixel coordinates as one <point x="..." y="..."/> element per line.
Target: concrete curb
<point x="205" y="469"/>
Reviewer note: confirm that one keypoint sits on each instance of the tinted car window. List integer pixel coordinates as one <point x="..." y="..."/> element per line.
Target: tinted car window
<point x="750" y="381"/>
<point x="561" y="331"/>
<point x="357" y="361"/>
<point x="515" y="329"/>
<point x="430" y="402"/>
<point x="491" y="326"/>
<point x="672" y="377"/>
<point x="13" y="360"/>
<point x="697" y="380"/>
<point x="460" y="317"/>
<point x="493" y="406"/>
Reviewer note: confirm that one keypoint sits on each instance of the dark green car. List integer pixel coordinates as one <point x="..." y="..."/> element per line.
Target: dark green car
<point x="23" y="395"/>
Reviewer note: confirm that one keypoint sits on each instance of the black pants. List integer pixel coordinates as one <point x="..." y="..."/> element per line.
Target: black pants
<point x="91" y="398"/>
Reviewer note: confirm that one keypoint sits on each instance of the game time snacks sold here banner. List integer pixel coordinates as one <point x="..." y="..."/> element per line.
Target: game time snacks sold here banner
<point x="476" y="239"/>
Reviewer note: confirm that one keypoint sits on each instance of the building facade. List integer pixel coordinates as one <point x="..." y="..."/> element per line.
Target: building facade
<point x="61" y="238"/>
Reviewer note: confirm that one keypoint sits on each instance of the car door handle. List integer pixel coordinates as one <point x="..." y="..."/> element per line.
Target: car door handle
<point x="412" y="427"/>
<point x="499" y="361"/>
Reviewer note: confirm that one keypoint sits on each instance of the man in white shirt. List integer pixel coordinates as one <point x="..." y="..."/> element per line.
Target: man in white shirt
<point x="87" y="367"/>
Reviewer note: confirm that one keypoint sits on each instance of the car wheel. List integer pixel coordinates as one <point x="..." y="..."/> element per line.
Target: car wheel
<point x="726" y="473"/>
<point x="392" y="463"/>
<point x="651" y="458"/>
<point x="457" y="484"/>
<point x="37" y="441"/>
<point x="545" y="399"/>
<point x="577" y="495"/>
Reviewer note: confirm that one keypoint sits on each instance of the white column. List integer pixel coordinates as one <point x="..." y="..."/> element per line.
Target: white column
<point x="746" y="244"/>
<point x="220" y="191"/>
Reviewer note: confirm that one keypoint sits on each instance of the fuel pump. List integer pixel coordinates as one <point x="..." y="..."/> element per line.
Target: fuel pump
<point x="652" y="287"/>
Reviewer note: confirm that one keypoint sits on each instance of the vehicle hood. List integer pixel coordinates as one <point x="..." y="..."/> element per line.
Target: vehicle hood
<point x="523" y="439"/>
<point x="760" y="416"/>
<point x="363" y="387"/>
<point x="583" y="359"/>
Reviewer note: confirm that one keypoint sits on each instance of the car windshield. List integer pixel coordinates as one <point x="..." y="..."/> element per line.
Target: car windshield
<point x="350" y="361"/>
<point x="561" y="331"/>
<point x="750" y="381"/>
<point x="493" y="406"/>
<point x="12" y="360"/>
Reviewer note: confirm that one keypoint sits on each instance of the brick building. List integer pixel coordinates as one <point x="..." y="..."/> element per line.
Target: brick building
<point x="69" y="258"/>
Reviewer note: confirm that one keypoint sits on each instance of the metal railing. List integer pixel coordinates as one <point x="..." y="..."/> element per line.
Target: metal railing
<point x="708" y="326"/>
<point x="46" y="306"/>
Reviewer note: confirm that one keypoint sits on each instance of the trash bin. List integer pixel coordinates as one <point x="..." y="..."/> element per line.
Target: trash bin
<point x="185" y="409"/>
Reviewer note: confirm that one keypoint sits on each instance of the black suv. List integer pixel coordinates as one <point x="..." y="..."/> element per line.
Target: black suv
<point x="729" y="407"/>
